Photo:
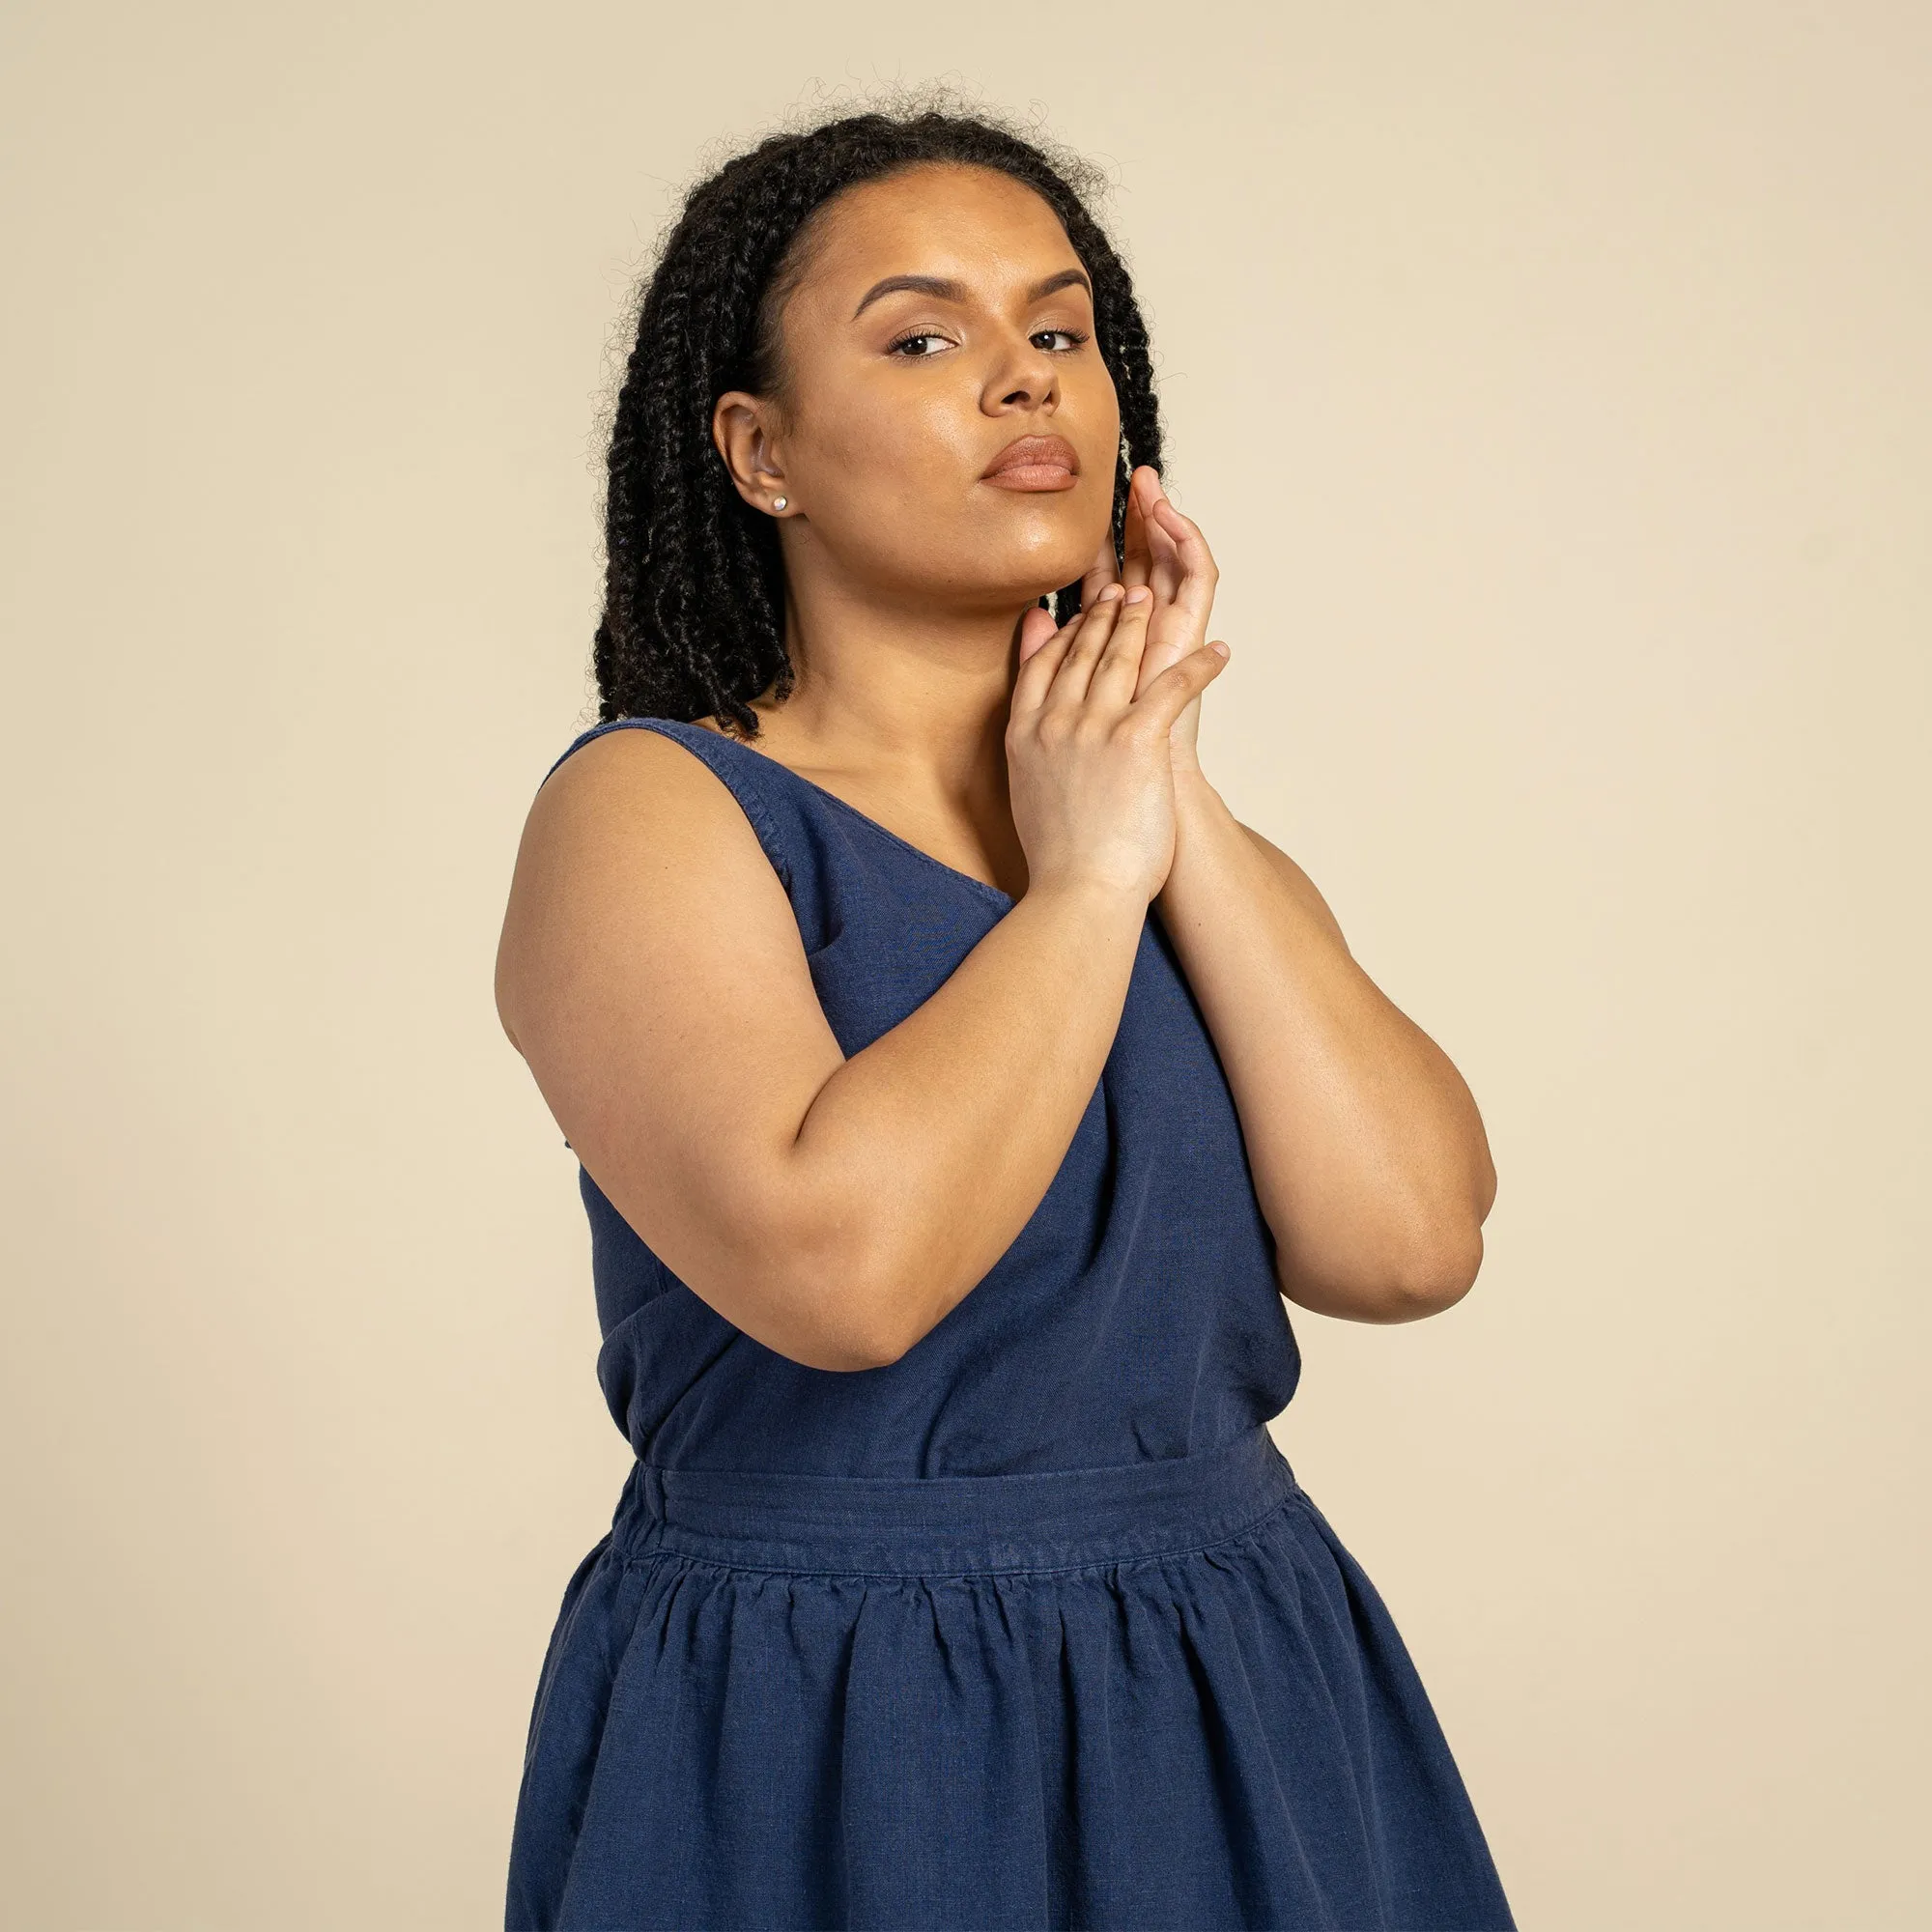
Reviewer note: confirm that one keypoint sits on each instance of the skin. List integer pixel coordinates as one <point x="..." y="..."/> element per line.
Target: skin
<point x="651" y="972"/>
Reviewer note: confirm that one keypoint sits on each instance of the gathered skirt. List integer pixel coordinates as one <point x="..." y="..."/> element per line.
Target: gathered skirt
<point x="1154" y="1696"/>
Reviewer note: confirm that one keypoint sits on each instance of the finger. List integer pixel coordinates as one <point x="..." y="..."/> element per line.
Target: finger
<point x="1177" y="686"/>
<point x="1036" y="672"/>
<point x="1166" y="569"/>
<point x="1118" y="669"/>
<point x="1175" y="629"/>
<point x="1076" y="667"/>
<point x="1198" y="572"/>
<point x="1036" y="627"/>
<point x="1101" y="571"/>
<point x="1136" y="556"/>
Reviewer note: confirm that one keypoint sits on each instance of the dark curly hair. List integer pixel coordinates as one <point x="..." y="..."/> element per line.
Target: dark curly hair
<point x="694" y="598"/>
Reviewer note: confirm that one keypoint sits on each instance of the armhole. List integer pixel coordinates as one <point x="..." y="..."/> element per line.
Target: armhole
<point x="711" y="751"/>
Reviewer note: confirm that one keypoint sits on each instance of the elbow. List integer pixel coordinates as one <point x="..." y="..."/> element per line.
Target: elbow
<point x="1433" y="1274"/>
<point x="842" y="1305"/>
<point x="883" y="1314"/>
<point x="826" y="1334"/>
<point x="1420" y="1275"/>
<point x="827" y="1319"/>
<point x="1434" y="1254"/>
<point x="809" y="1273"/>
<point x="871" y="1334"/>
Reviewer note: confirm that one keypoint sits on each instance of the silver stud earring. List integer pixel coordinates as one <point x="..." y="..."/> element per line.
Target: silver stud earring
<point x="779" y="502"/>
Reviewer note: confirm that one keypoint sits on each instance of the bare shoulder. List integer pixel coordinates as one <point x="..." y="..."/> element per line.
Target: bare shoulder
<point x="653" y="976"/>
<point x="629" y="782"/>
<point x="634" y="858"/>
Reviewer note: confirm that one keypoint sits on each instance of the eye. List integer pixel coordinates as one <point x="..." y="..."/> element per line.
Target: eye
<point x="1061" y="339"/>
<point x="909" y="347"/>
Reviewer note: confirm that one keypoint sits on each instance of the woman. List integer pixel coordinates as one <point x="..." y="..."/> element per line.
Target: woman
<point x="958" y="1089"/>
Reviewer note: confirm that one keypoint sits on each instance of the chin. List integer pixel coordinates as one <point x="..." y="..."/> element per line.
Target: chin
<point x="1045" y="575"/>
<point x="1026" y="581"/>
<point x="1035" y="563"/>
<point x="1000" y="561"/>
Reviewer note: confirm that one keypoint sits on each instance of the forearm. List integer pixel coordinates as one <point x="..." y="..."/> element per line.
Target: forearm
<point x="1368" y="1154"/>
<point x="925" y="1154"/>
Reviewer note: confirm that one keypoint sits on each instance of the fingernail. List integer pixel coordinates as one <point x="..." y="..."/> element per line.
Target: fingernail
<point x="1139" y="594"/>
<point x="1219" y="650"/>
<point x="1109" y="590"/>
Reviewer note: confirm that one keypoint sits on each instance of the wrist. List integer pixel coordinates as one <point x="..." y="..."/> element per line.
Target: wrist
<point x="1092" y="899"/>
<point x="1194" y="797"/>
<point x="1205" y="832"/>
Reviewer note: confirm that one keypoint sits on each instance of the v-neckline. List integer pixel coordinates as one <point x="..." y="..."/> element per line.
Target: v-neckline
<point x="993" y="892"/>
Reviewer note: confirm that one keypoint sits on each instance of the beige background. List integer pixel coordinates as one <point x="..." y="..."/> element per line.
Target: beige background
<point x="1553" y="384"/>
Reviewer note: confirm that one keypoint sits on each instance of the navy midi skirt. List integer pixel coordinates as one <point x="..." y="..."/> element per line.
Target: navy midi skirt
<point x="1032" y="1628"/>
<point x="1158" y="1696"/>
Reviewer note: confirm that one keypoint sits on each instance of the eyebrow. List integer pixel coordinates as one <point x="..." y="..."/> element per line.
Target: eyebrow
<point x="949" y="291"/>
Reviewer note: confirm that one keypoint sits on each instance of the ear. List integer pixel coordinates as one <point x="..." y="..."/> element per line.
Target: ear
<point x="744" y="428"/>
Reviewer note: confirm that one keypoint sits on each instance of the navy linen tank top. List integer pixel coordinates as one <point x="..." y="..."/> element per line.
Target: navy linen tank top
<point x="1135" y="1317"/>
<point x="1033" y="1626"/>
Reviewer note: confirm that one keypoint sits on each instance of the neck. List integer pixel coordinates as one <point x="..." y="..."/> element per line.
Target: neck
<point x="915" y="693"/>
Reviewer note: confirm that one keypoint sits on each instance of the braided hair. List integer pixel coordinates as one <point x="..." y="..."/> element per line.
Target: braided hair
<point x="694" y="598"/>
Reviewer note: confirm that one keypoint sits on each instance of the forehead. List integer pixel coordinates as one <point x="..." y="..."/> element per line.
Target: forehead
<point x="968" y="224"/>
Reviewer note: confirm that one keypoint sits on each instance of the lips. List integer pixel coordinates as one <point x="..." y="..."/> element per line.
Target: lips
<point x="1035" y="463"/>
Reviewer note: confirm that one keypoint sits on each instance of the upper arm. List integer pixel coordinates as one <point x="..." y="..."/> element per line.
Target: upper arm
<point x="1303" y="887"/>
<point x="652" y="975"/>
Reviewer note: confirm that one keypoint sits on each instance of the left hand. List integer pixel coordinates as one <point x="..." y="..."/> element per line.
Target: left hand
<point x="1166" y="551"/>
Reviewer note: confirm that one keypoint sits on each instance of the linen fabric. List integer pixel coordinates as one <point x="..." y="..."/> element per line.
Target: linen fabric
<point x="1032" y="1628"/>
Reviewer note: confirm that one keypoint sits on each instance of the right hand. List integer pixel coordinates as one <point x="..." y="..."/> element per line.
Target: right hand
<point x="1090" y="764"/>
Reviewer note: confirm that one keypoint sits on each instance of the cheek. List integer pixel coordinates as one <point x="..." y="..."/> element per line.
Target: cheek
<point x="1094" y="410"/>
<point x="884" y="442"/>
<point x="891" y="472"/>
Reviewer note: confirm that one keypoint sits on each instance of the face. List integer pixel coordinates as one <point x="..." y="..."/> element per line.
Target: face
<point x="944" y="427"/>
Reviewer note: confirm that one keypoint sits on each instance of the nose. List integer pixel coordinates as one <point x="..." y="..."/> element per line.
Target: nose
<point x="1022" y="377"/>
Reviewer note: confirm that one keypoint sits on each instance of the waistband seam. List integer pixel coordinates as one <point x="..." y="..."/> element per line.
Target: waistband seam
<point x="635" y="1559"/>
